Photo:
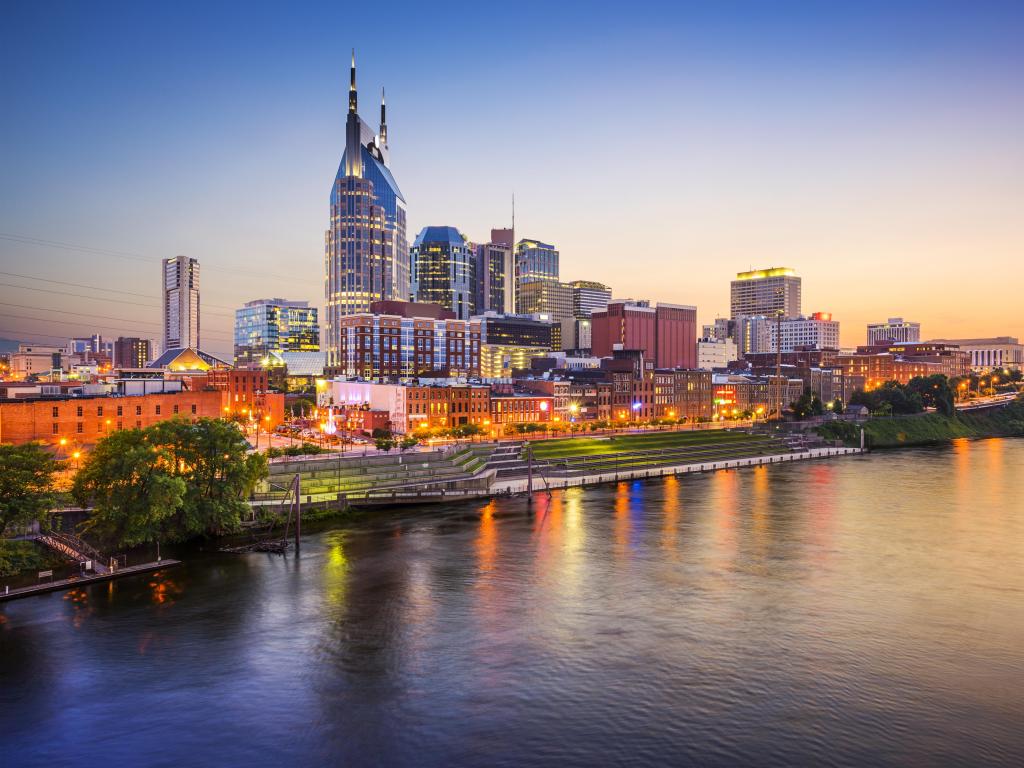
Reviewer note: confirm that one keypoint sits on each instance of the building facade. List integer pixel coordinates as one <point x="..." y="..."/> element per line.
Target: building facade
<point x="267" y="327"/>
<point x="132" y="352"/>
<point x="665" y="334"/>
<point x="895" y="329"/>
<point x="819" y="331"/>
<point x="366" y="250"/>
<point x="181" y="303"/>
<point x="444" y="270"/>
<point x="712" y="353"/>
<point x="589" y="297"/>
<point x="991" y="353"/>
<point x="496" y="273"/>
<point x="546" y="297"/>
<point x="534" y="261"/>
<point x="767" y="292"/>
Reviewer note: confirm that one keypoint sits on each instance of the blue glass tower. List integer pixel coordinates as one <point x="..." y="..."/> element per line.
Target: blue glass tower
<point x="444" y="270"/>
<point x="366" y="251"/>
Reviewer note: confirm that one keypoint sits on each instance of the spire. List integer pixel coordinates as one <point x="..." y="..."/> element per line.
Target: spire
<point x="383" y="120"/>
<point x="352" y="84"/>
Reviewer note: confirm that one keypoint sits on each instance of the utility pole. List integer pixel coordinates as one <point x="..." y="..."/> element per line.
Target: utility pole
<point x="778" y="362"/>
<point x="529" y="473"/>
<point x="296" y="487"/>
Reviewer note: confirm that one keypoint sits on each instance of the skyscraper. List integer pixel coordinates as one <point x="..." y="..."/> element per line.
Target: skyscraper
<point x="589" y="297"/>
<point x="534" y="261"/>
<point x="766" y="292"/>
<point x="444" y="270"/>
<point x="366" y="256"/>
<point x="496" y="273"/>
<point x="181" y="302"/>
<point x="266" y="326"/>
<point x="132" y="352"/>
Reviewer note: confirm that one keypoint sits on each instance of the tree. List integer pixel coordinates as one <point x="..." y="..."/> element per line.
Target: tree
<point x="129" y="482"/>
<point x="301" y="407"/>
<point x="802" y="407"/>
<point x="384" y="442"/>
<point x="409" y="441"/>
<point x="837" y="406"/>
<point x="934" y="391"/>
<point x="26" y="484"/>
<point x="213" y="459"/>
<point x="817" y="407"/>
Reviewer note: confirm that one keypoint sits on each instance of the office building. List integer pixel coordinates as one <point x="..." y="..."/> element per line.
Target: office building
<point x="766" y="292"/>
<point x="132" y="352"/>
<point x="713" y="354"/>
<point x="819" y="331"/>
<point x="534" y="261"/>
<point x="589" y="297"/>
<point x="444" y="270"/>
<point x="391" y="346"/>
<point x="666" y="335"/>
<point x="515" y="330"/>
<point x="546" y="297"/>
<point x="895" y="329"/>
<point x="366" y="254"/>
<point x="181" y="303"/>
<point x="496" y="273"/>
<point x="271" y="326"/>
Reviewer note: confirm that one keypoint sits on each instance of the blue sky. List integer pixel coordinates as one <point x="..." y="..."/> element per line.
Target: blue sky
<point x="875" y="147"/>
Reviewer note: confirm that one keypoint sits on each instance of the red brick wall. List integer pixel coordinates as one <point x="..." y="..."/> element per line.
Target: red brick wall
<point x="33" y="420"/>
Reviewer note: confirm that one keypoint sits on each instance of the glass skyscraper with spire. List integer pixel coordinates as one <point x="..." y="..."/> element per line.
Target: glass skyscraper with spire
<point x="366" y="251"/>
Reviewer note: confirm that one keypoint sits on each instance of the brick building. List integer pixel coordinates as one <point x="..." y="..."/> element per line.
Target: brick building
<point x="83" y="420"/>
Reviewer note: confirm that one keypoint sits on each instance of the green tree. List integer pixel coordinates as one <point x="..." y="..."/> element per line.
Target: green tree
<point x="212" y="457"/>
<point x="130" y="484"/>
<point x="934" y="391"/>
<point x="301" y="407"/>
<point x="817" y="407"/>
<point x="384" y="442"/>
<point x="837" y="406"/>
<point x="409" y="441"/>
<point x="26" y="485"/>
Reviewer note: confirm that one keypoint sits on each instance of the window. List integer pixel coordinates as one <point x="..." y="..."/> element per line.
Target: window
<point x="99" y="410"/>
<point x="55" y="425"/>
<point x="138" y="410"/>
<point x="78" y="411"/>
<point x="78" y="427"/>
<point x="175" y="407"/>
<point x="56" y="411"/>
<point x="193" y="408"/>
<point x="119" y="413"/>
<point x="158" y="410"/>
<point x="138" y="425"/>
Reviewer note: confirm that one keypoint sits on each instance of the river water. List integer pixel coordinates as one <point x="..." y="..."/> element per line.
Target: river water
<point x="857" y="611"/>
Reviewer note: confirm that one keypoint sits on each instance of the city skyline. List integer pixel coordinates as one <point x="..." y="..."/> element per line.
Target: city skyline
<point x="885" y="206"/>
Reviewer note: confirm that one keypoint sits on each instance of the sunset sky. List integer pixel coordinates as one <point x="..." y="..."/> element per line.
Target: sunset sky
<point x="874" y="147"/>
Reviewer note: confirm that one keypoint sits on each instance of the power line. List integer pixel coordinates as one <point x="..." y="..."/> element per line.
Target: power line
<point x="132" y="256"/>
<point x="103" y="298"/>
<point x="117" y="328"/>
<point x="97" y="298"/>
<point x="214" y="334"/>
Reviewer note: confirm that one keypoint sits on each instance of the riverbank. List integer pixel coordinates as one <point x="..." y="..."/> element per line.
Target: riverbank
<point x="934" y="428"/>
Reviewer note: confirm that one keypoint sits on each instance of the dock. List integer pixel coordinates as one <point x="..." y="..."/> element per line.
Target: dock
<point x="84" y="581"/>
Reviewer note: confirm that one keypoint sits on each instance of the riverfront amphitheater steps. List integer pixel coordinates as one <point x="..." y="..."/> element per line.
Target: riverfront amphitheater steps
<point x="322" y="478"/>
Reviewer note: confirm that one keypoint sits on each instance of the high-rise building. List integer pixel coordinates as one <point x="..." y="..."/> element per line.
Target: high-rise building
<point x="496" y="273"/>
<point x="754" y="334"/>
<point x="666" y="334"/>
<point x="272" y="326"/>
<point x="546" y="297"/>
<point x="894" y="329"/>
<point x="766" y="292"/>
<point x="181" y="303"/>
<point x="589" y="297"/>
<point x="444" y="270"/>
<point x="132" y="352"/>
<point x="819" y="331"/>
<point x="534" y="261"/>
<point x="366" y="256"/>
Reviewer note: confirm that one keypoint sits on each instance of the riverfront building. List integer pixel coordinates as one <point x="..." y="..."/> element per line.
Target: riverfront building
<point x="444" y="270"/>
<point x="267" y="327"/>
<point x="366" y="251"/>
<point x="990" y="353"/>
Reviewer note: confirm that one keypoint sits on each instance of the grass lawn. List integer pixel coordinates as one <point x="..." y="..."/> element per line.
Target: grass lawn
<point x="598" y="446"/>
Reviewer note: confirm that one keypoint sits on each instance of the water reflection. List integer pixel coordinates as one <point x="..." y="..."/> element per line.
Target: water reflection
<point x="858" y="612"/>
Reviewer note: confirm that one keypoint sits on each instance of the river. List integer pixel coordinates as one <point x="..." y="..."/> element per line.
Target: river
<point x="858" y="611"/>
